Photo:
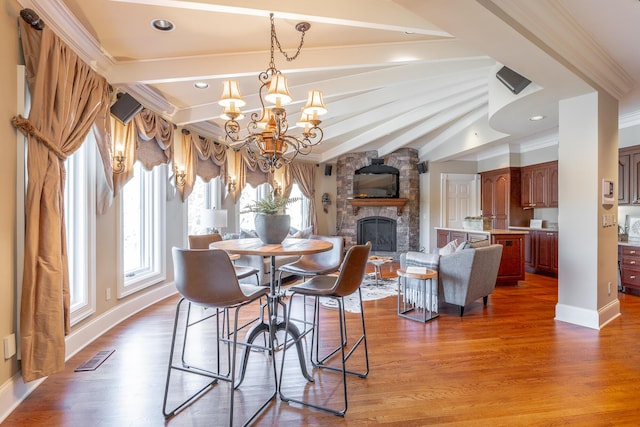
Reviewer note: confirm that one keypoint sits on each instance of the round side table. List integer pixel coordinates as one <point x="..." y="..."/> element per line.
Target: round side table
<point x="420" y="302"/>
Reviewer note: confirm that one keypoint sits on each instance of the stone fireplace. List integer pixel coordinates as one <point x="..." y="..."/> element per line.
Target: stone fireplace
<point x="375" y="217"/>
<point x="378" y="230"/>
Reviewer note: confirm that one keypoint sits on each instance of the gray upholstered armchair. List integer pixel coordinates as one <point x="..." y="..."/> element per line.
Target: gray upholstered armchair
<point x="463" y="276"/>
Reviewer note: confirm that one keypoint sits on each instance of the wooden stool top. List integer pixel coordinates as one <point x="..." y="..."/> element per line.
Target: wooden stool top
<point x="414" y="273"/>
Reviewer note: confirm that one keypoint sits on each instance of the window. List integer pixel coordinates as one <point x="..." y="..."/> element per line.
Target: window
<point x="142" y="228"/>
<point x="205" y="195"/>
<point x="249" y="195"/>
<point x="298" y="211"/>
<point x="79" y="207"/>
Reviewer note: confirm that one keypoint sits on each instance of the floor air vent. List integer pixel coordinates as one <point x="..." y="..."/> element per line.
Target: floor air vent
<point x="93" y="363"/>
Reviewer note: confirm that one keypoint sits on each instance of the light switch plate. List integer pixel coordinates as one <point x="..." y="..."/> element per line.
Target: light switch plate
<point x="9" y="346"/>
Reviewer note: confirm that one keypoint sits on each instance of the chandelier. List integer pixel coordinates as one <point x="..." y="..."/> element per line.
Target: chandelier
<point x="266" y="139"/>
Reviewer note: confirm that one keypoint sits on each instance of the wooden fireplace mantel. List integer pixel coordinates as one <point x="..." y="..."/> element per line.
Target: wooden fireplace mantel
<point x="356" y="204"/>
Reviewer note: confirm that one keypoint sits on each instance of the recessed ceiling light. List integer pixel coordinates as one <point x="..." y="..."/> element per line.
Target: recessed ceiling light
<point x="536" y="118"/>
<point x="162" y="25"/>
<point x="201" y="85"/>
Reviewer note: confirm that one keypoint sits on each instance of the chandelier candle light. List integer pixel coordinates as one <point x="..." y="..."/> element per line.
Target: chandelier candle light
<point x="267" y="141"/>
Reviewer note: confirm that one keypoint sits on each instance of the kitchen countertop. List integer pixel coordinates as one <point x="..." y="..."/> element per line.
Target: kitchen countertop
<point x="487" y="232"/>
<point x="631" y="243"/>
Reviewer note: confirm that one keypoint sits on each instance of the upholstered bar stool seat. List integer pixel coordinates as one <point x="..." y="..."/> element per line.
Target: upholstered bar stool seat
<point x="202" y="241"/>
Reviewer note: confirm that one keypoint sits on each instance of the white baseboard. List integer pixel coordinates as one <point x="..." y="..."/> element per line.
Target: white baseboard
<point x="87" y="333"/>
<point x="594" y="319"/>
<point x="14" y="391"/>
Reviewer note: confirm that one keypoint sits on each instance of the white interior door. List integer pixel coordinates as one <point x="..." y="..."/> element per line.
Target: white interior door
<point x="460" y="195"/>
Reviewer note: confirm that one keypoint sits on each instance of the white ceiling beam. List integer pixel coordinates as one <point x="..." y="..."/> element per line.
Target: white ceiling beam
<point x="411" y="99"/>
<point x="426" y="76"/>
<point x="415" y="120"/>
<point x="458" y="126"/>
<point x="377" y="14"/>
<point x="223" y="66"/>
<point x="450" y="115"/>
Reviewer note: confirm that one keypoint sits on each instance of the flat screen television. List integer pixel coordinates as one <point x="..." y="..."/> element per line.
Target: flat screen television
<point x="376" y="181"/>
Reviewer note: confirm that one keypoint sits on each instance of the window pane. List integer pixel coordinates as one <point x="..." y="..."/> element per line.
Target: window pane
<point x="79" y="216"/>
<point x="205" y="195"/>
<point x="142" y="224"/>
<point x="133" y="231"/>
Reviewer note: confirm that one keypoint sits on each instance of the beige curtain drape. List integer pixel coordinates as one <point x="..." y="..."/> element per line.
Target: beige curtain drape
<point x="148" y="138"/>
<point x="187" y="162"/>
<point x="66" y="97"/>
<point x="305" y="175"/>
<point x="248" y="172"/>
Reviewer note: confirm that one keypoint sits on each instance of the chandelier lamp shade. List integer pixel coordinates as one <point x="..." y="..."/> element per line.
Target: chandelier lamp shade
<point x="266" y="137"/>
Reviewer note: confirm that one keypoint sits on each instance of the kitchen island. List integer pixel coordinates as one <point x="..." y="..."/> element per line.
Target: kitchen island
<point x="512" y="241"/>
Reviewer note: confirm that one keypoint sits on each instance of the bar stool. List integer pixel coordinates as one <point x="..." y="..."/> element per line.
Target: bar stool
<point x="207" y="278"/>
<point x="335" y="287"/>
<point x="202" y="241"/>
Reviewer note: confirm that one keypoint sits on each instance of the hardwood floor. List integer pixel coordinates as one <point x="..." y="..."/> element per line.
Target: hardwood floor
<point x="509" y="364"/>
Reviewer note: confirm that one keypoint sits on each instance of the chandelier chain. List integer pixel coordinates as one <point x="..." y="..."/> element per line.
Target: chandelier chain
<point x="274" y="37"/>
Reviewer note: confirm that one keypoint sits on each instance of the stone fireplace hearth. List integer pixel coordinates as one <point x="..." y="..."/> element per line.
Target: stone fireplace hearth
<point x="406" y="218"/>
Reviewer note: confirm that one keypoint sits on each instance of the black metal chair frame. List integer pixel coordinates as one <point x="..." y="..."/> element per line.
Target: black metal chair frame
<point x="224" y="336"/>
<point x="321" y="362"/>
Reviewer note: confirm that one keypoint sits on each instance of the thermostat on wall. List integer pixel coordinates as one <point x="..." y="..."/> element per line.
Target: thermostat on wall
<point x="607" y="192"/>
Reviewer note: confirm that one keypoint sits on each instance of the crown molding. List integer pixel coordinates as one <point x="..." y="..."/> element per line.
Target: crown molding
<point x="538" y="143"/>
<point x="64" y="24"/>
<point x="629" y="119"/>
<point x="150" y="99"/>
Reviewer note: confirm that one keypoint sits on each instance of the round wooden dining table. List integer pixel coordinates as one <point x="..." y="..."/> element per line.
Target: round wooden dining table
<point x="290" y="246"/>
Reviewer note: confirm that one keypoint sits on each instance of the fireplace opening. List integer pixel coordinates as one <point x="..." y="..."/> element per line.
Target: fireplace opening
<point x="378" y="230"/>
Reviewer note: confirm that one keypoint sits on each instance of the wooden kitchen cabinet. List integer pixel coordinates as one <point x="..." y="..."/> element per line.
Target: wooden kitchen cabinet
<point x="540" y="186"/>
<point x="629" y="261"/>
<point x="547" y="252"/>
<point x="501" y="198"/>
<point x="541" y="252"/>
<point x="629" y="175"/>
<point x="624" y="178"/>
<point x="512" y="262"/>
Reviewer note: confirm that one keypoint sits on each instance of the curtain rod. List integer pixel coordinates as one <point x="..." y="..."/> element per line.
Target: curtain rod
<point x="32" y="18"/>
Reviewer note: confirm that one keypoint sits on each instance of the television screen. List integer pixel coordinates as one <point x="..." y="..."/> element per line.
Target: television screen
<point x="377" y="185"/>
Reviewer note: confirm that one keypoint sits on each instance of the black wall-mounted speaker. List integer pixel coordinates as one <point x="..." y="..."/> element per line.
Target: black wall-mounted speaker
<point x="512" y="80"/>
<point x="377" y="161"/>
<point x="125" y="108"/>
<point x="423" y="167"/>
<point x="327" y="170"/>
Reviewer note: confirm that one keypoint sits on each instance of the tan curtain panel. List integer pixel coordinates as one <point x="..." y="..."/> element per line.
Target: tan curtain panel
<point x="248" y="172"/>
<point x="305" y="175"/>
<point x="104" y="181"/>
<point x="66" y="98"/>
<point x="154" y="139"/>
<point x="124" y="141"/>
<point x="211" y="158"/>
<point x="148" y="138"/>
<point x="187" y="163"/>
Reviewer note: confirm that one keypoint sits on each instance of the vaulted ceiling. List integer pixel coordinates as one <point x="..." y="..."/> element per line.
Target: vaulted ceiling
<point x="395" y="73"/>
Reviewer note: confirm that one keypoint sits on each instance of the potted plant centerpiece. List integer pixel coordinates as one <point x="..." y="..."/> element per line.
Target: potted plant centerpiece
<point x="271" y="222"/>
